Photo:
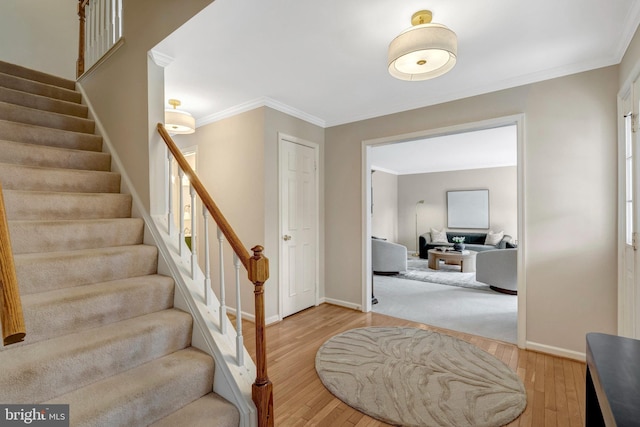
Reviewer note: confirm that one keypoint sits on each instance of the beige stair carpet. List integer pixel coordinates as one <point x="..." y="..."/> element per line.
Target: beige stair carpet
<point x="102" y="333"/>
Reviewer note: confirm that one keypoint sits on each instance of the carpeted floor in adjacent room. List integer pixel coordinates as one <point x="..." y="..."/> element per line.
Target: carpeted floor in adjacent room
<point x="478" y="312"/>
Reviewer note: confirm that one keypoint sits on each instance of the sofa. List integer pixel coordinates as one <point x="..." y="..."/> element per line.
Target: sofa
<point x="498" y="269"/>
<point x="472" y="242"/>
<point x="387" y="257"/>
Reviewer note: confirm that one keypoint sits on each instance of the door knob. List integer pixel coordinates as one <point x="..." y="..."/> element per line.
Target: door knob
<point x="286" y="237"/>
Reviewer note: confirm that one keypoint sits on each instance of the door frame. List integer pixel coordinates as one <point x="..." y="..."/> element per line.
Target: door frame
<point x="628" y="99"/>
<point x="282" y="137"/>
<point x="519" y="121"/>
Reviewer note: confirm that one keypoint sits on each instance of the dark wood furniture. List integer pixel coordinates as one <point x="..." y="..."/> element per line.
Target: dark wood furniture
<point x="613" y="381"/>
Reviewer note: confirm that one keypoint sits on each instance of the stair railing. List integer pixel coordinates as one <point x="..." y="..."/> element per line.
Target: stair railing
<point x="100" y="30"/>
<point x="256" y="265"/>
<point x="13" y="328"/>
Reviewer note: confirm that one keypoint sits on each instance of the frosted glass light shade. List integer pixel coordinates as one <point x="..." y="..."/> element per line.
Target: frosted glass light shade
<point x="179" y="122"/>
<point x="422" y="52"/>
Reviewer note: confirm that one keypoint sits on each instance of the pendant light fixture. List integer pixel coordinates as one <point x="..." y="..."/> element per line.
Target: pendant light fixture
<point x="423" y="51"/>
<point x="178" y="121"/>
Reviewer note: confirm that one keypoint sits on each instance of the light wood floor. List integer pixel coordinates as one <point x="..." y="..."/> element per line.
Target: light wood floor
<point x="555" y="386"/>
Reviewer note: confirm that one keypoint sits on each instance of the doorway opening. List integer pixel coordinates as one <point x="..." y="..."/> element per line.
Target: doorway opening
<point x="406" y="203"/>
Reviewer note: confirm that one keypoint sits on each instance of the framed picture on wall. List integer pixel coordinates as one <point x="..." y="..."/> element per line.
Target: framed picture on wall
<point x="468" y="209"/>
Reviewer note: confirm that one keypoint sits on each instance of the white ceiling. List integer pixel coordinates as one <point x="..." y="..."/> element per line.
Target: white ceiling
<point x="326" y="61"/>
<point x="488" y="148"/>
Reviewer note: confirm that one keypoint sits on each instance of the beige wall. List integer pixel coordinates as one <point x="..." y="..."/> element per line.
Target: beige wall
<point x="237" y="160"/>
<point x="46" y="35"/>
<point x="119" y="89"/>
<point x="277" y="122"/>
<point x="384" y="218"/>
<point x="502" y="184"/>
<point x="570" y="217"/>
<point x="230" y="163"/>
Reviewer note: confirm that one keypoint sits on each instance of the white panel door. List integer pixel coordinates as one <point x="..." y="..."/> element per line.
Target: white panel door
<point x="299" y="225"/>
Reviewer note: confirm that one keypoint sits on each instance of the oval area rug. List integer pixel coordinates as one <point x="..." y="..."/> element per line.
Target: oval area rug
<point x="413" y="377"/>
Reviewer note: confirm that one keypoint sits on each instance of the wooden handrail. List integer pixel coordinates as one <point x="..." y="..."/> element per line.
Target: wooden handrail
<point x="257" y="267"/>
<point x="81" y="37"/>
<point x="206" y="198"/>
<point x="13" y="329"/>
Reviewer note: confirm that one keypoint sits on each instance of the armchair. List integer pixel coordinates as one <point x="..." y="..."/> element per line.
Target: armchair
<point x="498" y="268"/>
<point x="387" y="257"/>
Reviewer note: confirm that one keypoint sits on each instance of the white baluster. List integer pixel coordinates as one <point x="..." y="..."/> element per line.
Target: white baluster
<point x="108" y="35"/>
<point x="94" y="33"/>
<point x="208" y="297"/>
<point x="102" y="29"/>
<point x="181" y="204"/>
<point x="194" y="235"/>
<point x="90" y="34"/>
<point x="170" y="196"/>
<point x="118" y="20"/>
<point x="239" y="340"/>
<point x="223" y="306"/>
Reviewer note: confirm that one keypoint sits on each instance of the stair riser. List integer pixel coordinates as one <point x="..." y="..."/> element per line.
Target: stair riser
<point x="38" y="155"/>
<point x="36" y="205"/>
<point x="146" y="393"/>
<point x="46" y="272"/>
<point x="37" y="88"/>
<point x="39" y="76"/>
<point x="31" y="116"/>
<point x="16" y="177"/>
<point x="211" y="407"/>
<point x="52" y="314"/>
<point x="101" y="333"/>
<point x="41" y="372"/>
<point x="38" y="135"/>
<point x="53" y="236"/>
<point x="43" y="103"/>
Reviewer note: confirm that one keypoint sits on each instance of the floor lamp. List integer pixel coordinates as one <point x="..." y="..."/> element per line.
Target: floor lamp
<point x="417" y="252"/>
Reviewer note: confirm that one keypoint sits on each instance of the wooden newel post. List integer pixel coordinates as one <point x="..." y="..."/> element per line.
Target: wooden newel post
<point x="13" y="329"/>
<point x="81" y="38"/>
<point x="262" y="390"/>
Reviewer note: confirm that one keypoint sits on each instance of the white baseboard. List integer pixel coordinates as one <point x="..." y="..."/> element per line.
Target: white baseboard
<point x="341" y="303"/>
<point x="556" y="351"/>
<point x="272" y="319"/>
<point x="248" y="316"/>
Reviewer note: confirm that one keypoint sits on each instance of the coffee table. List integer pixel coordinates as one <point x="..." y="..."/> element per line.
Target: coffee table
<point x="466" y="259"/>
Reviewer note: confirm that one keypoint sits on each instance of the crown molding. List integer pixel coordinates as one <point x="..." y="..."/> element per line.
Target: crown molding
<point x="160" y="59"/>
<point x="522" y="80"/>
<point x="264" y="101"/>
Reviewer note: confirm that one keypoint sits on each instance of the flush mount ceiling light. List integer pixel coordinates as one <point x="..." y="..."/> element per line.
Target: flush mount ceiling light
<point x="423" y="51"/>
<point x="177" y="121"/>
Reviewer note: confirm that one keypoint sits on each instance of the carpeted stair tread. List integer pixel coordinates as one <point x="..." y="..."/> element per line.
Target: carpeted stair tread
<point x="21" y="153"/>
<point x="70" y="310"/>
<point x="47" y="205"/>
<point x="28" y="115"/>
<point x="34" y="236"/>
<point x="37" y="178"/>
<point x="102" y="333"/>
<point x="144" y="394"/>
<point x="39" y="88"/>
<point x="40" y="135"/>
<point x="43" y="103"/>
<point x="43" y="272"/>
<point x="39" y="76"/>
<point x="208" y="411"/>
<point x="47" y="369"/>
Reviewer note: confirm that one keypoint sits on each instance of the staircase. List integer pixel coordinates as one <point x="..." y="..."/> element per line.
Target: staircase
<point x="102" y="333"/>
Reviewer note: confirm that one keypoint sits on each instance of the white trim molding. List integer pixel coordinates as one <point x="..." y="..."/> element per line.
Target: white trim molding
<point x="264" y="101"/>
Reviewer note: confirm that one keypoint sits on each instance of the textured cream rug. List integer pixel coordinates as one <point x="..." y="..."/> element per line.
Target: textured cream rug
<point x="413" y="377"/>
